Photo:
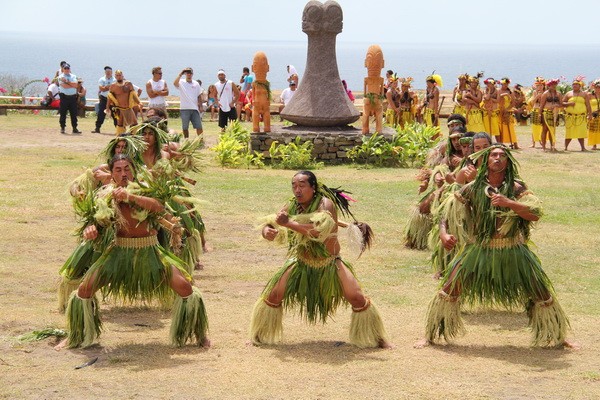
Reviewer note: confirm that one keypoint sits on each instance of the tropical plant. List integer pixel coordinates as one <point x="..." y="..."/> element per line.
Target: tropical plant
<point x="407" y="148"/>
<point x="294" y="155"/>
<point x="233" y="148"/>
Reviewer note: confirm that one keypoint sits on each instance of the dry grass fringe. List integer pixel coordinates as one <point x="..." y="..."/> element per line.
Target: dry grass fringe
<point x="189" y="320"/>
<point x="549" y="324"/>
<point x="367" y="329"/>
<point x="443" y="319"/>
<point x="266" y="326"/>
<point x="83" y="321"/>
<point x="65" y="288"/>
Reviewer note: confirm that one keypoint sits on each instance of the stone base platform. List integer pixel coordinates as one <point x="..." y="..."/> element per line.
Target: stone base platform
<point x="330" y="144"/>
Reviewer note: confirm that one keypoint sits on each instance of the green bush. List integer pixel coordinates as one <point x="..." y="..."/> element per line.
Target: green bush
<point x="293" y="155"/>
<point x="233" y="149"/>
<point x="407" y="148"/>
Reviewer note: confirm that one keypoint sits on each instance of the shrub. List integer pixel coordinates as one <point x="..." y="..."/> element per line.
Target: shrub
<point x="233" y="149"/>
<point x="293" y="155"/>
<point x="407" y="148"/>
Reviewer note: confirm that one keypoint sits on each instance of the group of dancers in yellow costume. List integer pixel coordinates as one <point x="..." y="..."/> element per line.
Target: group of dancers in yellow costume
<point x="492" y="110"/>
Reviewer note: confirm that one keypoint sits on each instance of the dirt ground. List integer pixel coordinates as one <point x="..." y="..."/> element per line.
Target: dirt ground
<point x="492" y="361"/>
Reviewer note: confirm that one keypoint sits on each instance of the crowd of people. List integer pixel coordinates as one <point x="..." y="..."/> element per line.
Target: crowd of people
<point x="142" y="235"/>
<point x="498" y="107"/>
<point x="141" y="238"/>
<point x="120" y="98"/>
<point x="475" y="215"/>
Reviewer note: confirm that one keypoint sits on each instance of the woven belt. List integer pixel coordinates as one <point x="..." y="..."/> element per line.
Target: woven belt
<point x="314" y="262"/>
<point x="136" y="243"/>
<point x="503" y="243"/>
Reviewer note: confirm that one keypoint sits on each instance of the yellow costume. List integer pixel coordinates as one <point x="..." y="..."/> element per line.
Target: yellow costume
<point x="507" y="123"/>
<point x="458" y="109"/>
<point x="536" y="125"/>
<point x="575" y="119"/>
<point x="428" y="117"/>
<point x="475" y="120"/>
<point x="406" y="116"/>
<point x="550" y="120"/>
<point x="594" y="123"/>
<point x="491" y="121"/>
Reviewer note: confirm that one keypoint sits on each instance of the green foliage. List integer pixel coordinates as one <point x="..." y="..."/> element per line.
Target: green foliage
<point x="233" y="149"/>
<point x="293" y="156"/>
<point x="564" y="87"/>
<point x="407" y="148"/>
<point x="42" y="334"/>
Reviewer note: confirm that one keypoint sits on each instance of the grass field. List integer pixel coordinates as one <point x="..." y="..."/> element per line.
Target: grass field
<point x="492" y="361"/>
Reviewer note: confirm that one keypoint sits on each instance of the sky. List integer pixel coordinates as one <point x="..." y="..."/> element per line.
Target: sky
<point x="371" y="21"/>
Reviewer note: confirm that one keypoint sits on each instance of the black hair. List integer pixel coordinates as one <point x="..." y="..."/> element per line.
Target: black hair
<point x="246" y="69"/>
<point x="459" y="129"/>
<point x="62" y="63"/>
<point x="458" y="117"/>
<point x="120" y="157"/>
<point x="107" y="67"/>
<point x="480" y="135"/>
<point x="389" y="71"/>
<point x="312" y="178"/>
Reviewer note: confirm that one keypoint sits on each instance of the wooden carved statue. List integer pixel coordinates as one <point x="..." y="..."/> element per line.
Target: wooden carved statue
<point x="261" y="91"/>
<point x="373" y="89"/>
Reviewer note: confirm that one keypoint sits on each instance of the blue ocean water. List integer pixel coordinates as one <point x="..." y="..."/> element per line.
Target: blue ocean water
<point x="37" y="56"/>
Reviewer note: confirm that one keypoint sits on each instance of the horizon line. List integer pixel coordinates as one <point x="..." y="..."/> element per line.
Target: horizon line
<point x="340" y="41"/>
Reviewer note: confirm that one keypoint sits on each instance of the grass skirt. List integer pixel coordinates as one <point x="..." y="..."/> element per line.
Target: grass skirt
<point x="266" y="326"/>
<point x="317" y="291"/>
<point x="74" y="269"/>
<point x="443" y="318"/>
<point x="83" y="321"/>
<point x="189" y="320"/>
<point x="366" y="328"/>
<point x="417" y="230"/>
<point x="132" y="273"/>
<point x="505" y="273"/>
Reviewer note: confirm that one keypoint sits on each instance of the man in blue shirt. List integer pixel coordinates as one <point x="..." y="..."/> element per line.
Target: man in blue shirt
<point x="67" y="90"/>
<point x="246" y="79"/>
<point x="103" y="88"/>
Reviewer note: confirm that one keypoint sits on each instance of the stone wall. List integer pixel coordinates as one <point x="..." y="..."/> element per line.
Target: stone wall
<point x="330" y="147"/>
<point x="327" y="147"/>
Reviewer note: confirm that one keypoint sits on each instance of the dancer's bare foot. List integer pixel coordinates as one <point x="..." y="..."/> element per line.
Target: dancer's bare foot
<point x="584" y="149"/>
<point x="422" y="343"/>
<point x="198" y="266"/>
<point x="516" y="147"/>
<point x="205" y="343"/>
<point x="63" y="343"/>
<point x="437" y="275"/>
<point x="384" y="344"/>
<point x="532" y="146"/>
<point x="206" y="247"/>
<point x="567" y="344"/>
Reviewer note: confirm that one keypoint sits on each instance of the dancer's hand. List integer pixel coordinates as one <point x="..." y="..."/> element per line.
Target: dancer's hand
<point x="121" y="195"/>
<point x="500" y="200"/>
<point x="269" y="233"/>
<point x="282" y="218"/>
<point x="448" y="241"/>
<point x="90" y="232"/>
<point x="470" y="173"/>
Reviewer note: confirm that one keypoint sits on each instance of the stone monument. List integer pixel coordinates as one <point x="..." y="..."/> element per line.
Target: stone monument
<point x="261" y="92"/>
<point x="320" y="100"/>
<point x="373" y="89"/>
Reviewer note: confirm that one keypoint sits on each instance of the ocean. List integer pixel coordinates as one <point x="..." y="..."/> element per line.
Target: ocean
<point x="36" y="56"/>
